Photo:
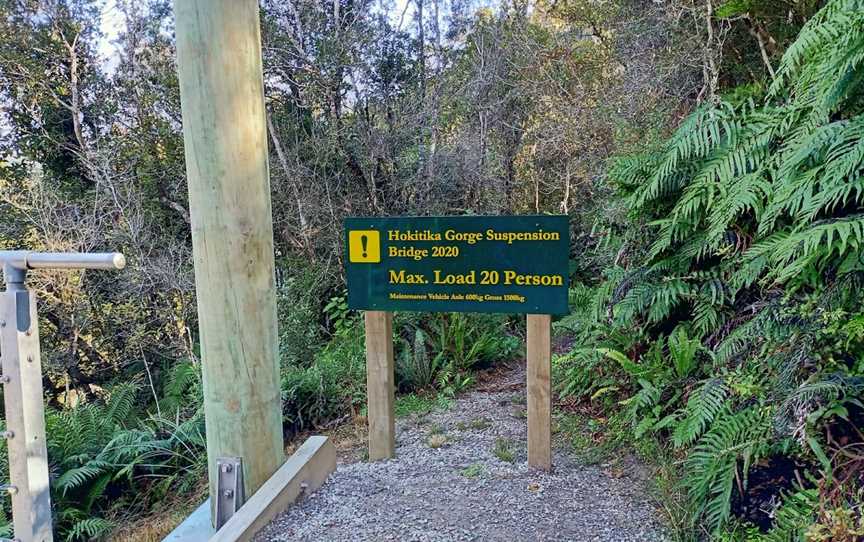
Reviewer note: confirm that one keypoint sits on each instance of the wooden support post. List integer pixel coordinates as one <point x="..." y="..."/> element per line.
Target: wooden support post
<point x="25" y="416"/>
<point x="539" y="391"/>
<point x="380" y="384"/>
<point x="224" y="131"/>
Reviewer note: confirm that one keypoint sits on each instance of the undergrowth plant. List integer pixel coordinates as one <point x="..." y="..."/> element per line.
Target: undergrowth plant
<point x="100" y="449"/>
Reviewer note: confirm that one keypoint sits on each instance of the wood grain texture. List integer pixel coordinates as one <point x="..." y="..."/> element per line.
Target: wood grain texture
<point x="25" y="417"/>
<point x="380" y="384"/>
<point x="224" y="131"/>
<point x="539" y="391"/>
<point x="304" y="472"/>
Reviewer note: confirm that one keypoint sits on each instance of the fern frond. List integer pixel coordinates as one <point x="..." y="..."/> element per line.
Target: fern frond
<point x="180" y="377"/>
<point x="89" y="529"/>
<point x="794" y="515"/>
<point x="703" y="407"/>
<point x="714" y="461"/>
<point x="121" y="402"/>
<point x="77" y="477"/>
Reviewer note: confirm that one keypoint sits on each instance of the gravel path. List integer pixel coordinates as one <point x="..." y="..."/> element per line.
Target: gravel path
<point x="448" y="484"/>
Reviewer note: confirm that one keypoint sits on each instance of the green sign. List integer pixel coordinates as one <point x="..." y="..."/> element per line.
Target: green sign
<point x="509" y="264"/>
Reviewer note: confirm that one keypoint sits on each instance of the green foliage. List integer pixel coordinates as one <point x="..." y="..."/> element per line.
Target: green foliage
<point x="98" y="449"/>
<point x="330" y="387"/>
<point x="794" y="516"/>
<point x="703" y="406"/>
<point x="683" y="351"/>
<point x="460" y="343"/>
<point x="503" y="450"/>
<point x="337" y="313"/>
<point x="86" y="529"/>
<point x="734" y="441"/>
<point x="701" y="290"/>
<point x="432" y="354"/>
<point x="413" y="403"/>
<point x="475" y="470"/>
<point x="300" y="304"/>
<point x="181" y="387"/>
<point x="415" y="368"/>
<point x="757" y="192"/>
<point x="742" y="308"/>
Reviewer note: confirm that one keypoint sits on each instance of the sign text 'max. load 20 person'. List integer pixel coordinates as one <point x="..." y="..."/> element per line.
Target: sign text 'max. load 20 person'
<point x="509" y="264"/>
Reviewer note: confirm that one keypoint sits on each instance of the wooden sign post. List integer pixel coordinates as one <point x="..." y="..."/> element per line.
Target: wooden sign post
<point x="539" y="390"/>
<point x="515" y="264"/>
<point x="380" y="384"/>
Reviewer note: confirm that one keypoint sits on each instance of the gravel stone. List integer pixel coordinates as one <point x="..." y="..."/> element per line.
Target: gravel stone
<point x="461" y="491"/>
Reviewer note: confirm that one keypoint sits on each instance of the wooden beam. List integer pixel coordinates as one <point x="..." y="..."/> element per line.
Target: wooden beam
<point x="303" y="473"/>
<point x="224" y="132"/>
<point x="380" y="385"/>
<point x="25" y="416"/>
<point x="539" y="391"/>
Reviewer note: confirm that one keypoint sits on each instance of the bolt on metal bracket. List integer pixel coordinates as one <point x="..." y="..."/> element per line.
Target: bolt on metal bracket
<point x="230" y="495"/>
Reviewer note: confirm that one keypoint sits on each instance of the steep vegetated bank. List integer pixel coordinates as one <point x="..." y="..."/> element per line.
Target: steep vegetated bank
<point x="729" y="327"/>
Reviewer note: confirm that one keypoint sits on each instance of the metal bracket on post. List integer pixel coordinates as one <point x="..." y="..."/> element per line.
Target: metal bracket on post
<point x="230" y="492"/>
<point x="21" y="376"/>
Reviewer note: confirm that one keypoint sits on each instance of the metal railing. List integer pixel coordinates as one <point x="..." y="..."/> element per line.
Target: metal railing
<point x="21" y="378"/>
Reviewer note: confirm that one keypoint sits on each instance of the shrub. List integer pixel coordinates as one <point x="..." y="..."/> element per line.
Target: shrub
<point x="299" y="309"/>
<point x="329" y="387"/>
<point x="440" y="350"/>
<point x="466" y="342"/>
<point x="416" y="369"/>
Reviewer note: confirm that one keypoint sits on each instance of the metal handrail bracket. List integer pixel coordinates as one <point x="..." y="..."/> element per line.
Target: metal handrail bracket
<point x="21" y="377"/>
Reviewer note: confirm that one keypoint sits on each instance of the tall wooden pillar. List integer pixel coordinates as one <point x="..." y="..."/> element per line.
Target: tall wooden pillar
<point x="224" y="130"/>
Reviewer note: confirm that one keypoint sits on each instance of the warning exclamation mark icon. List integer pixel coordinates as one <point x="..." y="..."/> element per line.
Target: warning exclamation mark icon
<point x="364" y="246"/>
